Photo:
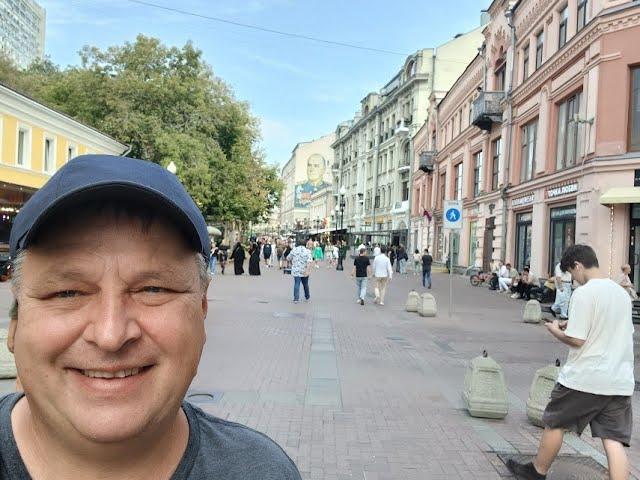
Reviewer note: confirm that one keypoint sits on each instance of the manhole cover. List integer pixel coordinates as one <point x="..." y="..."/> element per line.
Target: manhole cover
<point x="199" y="397"/>
<point x="568" y="467"/>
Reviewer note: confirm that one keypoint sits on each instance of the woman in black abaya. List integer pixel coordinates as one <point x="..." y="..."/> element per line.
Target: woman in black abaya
<point x="254" y="259"/>
<point x="238" y="259"/>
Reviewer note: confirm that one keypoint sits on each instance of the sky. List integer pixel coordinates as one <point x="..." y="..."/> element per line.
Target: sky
<point x="298" y="89"/>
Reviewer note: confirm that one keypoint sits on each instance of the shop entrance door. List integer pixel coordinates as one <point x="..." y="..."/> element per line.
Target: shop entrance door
<point x="563" y="233"/>
<point x="523" y="240"/>
<point x="634" y="245"/>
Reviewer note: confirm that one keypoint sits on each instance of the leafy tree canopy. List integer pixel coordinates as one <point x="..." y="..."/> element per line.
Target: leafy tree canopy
<point x="166" y="103"/>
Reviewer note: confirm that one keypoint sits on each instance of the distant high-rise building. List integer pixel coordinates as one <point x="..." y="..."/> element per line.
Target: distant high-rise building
<point x="22" y="27"/>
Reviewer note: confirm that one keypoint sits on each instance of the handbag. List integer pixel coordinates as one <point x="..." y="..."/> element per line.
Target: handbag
<point x="286" y="271"/>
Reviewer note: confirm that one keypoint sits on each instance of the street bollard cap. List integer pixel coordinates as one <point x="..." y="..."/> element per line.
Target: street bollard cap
<point x="90" y="177"/>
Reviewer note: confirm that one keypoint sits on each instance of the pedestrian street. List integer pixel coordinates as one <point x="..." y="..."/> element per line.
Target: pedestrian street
<point x="373" y="392"/>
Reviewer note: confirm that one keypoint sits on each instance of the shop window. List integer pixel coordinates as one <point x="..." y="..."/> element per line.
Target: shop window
<point x="562" y="29"/>
<point x="473" y="242"/>
<point x="458" y="189"/>
<point x="582" y="14"/>
<point x="634" y="121"/>
<point x="477" y="173"/>
<point x="525" y="63"/>
<point x="523" y="240"/>
<point x="567" y="150"/>
<point x="539" y="48"/>
<point x="528" y="135"/>
<point x="495" y="162"/>
<point x="562" y="233"/>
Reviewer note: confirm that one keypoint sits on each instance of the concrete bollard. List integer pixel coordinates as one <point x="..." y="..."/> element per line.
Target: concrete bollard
<point x="412" y="301"/>
<point x="485" y="390"/>
<point x="540" y="393"/>
<point x="427" y="306"/>
<point x="532" y="312"/>
<point x="7" y="363"/>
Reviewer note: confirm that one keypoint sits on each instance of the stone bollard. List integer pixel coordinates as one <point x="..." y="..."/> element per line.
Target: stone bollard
<point x="540" y="393"/>
<point x="7" y="363"/>
<point x="412" y="301"/>
<point x="485" y="390"/>
<point x="532" y="312"/>
<point x="427" y="305"/>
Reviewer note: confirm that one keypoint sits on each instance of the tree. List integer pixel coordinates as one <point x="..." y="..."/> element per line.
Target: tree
<point x="166" y="103"/>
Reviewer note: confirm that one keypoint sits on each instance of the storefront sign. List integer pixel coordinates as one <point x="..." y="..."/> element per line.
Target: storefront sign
<point x="554" y="192"/>
<point x="526" y="200"/>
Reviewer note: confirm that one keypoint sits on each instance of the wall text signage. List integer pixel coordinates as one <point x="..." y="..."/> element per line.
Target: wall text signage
<point x="526" y="200"/>
<point x="554" y="192"/>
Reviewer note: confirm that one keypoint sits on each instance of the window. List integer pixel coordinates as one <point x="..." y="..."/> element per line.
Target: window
<point x="562" y="29"/>
<point x="441" y="187"/>
<point x="458" y="189"/>
<point x="477" y="173"/>
<point x="582" y="14"/>
<point x="539" y="48"/>
<point x="24" y="146"/>
<point x="495" y="164"/>
<point x="49" y="162"/>
<point x="528" y="134"/>
<point x="377" y="200"/>
<point x="71" y="151"/>
<point x="459" y="120"/>
<point x="500" y="77"/>
<point x="525" y="63"/>
<point x="567" y="150"/>
<point x="634" y="121"/>
<point x="405" y="190"/>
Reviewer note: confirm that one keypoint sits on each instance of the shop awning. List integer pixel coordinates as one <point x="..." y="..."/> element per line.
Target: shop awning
<point x="620" y="195"/>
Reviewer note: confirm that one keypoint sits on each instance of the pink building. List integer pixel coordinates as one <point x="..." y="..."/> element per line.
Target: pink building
<point x="549" y="153"/>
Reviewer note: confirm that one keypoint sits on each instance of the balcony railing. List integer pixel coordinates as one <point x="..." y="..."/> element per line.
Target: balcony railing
<point x="487" y="109"/>
<point x="427" y="160"/>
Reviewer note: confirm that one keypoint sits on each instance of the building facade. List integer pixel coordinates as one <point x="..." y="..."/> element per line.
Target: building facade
<point x="322" y="214"/>
<point x="552" y="156"/>
<point x="373" y="151"/>
<point x="22" y="31"/>
<point x="307" y="172"/>
<point x="34" y="142"/>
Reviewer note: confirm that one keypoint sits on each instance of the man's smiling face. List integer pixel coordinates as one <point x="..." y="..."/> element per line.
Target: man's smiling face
<point x="111" y="326"/>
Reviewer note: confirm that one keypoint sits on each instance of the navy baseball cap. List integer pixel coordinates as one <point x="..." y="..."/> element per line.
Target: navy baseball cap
<point x="89" y="177"/>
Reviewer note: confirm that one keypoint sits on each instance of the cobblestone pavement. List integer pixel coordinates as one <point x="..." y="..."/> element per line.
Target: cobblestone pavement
<point x="372" y="392"/>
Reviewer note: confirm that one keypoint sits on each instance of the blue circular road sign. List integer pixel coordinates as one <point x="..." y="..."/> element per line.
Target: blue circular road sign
<point x="453" y="215"/>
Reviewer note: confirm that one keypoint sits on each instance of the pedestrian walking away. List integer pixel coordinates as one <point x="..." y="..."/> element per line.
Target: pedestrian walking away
<point x="427" y="261"/>
<point x="402" y="260"/>
<point x="111" y="302"/>
<point x="266" y="253"/>
<point x="361" y="272"/>
<point x="300" y="260"/>
<point x="254" y="259"/>
<point x="596" y="383"/>
<point x="213" y="259"/>
<point x="417" y="261"/>
<point x="382" y="273"/>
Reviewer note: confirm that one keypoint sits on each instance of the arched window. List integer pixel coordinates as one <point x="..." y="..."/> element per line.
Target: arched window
<point x="411" y="69"/>
<point x="383" y="198"/>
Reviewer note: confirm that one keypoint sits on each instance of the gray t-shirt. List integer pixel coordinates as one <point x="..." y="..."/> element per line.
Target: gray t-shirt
<point x="216" y="449"/>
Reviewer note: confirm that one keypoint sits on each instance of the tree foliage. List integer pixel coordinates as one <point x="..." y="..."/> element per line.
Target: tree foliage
<point x="166" y="103"/>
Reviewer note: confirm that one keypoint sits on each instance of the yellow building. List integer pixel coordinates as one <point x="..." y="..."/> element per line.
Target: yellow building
<point x="35" y="141"/>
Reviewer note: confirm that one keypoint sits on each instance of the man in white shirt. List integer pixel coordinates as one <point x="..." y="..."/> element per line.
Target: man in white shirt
<point x="505" y="277"/>
<point x="382" y="274"/>
<point x="596" y="383"/>
<point x="563" y="292"/>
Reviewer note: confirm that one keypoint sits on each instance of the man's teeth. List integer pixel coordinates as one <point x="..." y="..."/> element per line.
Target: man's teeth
<point x="118" y="374"/>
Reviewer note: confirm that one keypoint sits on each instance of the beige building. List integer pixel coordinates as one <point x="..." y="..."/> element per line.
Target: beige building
<point x="321" y="210"/>
<point x="307" y="172"/>
<point x="373" y="150"/>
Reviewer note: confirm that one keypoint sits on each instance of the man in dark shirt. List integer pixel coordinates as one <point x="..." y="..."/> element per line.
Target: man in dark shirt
<point x="427" y="260"/>
<point x="111" y="284"/>
<point x="361" y="271"/>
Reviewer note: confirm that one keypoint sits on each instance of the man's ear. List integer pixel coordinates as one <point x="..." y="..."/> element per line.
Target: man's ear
<point x="13" y="325"/>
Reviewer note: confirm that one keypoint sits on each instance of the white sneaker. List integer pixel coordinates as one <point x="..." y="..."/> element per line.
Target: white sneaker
<point x="381" y="303"/>
<point x="515" y="295"/>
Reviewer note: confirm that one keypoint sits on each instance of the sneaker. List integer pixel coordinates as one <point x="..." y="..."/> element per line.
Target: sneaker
<point x="524" y="471"/>
<point x="382" y="303"/>
<point x="362" y="301"/>
<point x="553" y="312"/>
<point x="296" y="301"/>
<point x="515" y="295"/>
<point x="307" y="300"/>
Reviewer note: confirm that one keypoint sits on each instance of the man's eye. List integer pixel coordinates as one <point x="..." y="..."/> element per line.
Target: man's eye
<point x="153" y="289"/>
<point x="67" y="294"/>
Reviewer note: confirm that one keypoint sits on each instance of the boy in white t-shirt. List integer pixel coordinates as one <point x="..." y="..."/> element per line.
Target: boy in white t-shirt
<point x="596" y="383"/>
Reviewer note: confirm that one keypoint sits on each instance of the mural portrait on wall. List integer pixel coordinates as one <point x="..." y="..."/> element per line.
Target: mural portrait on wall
<point x="317" y="170"/>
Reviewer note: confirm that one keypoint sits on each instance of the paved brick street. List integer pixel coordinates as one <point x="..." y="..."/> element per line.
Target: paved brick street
<point x="371" y="392"/>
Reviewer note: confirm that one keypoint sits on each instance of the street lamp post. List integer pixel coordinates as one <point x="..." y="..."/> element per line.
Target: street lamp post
<point x="403" y="131"/>
<point x="341" y="208"/>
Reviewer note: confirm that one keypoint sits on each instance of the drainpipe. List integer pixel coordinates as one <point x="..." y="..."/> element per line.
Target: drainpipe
<point x="508" y="99"/>
<point x="376" y="146"/>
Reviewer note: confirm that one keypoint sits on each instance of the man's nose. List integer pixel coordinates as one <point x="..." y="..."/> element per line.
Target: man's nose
<point x="113" y="323"/>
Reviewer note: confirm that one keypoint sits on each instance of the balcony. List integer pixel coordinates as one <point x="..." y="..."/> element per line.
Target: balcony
<point x="487" y="109"/>
<point x="404" y="165"/>
<point x="427" y="160"/>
